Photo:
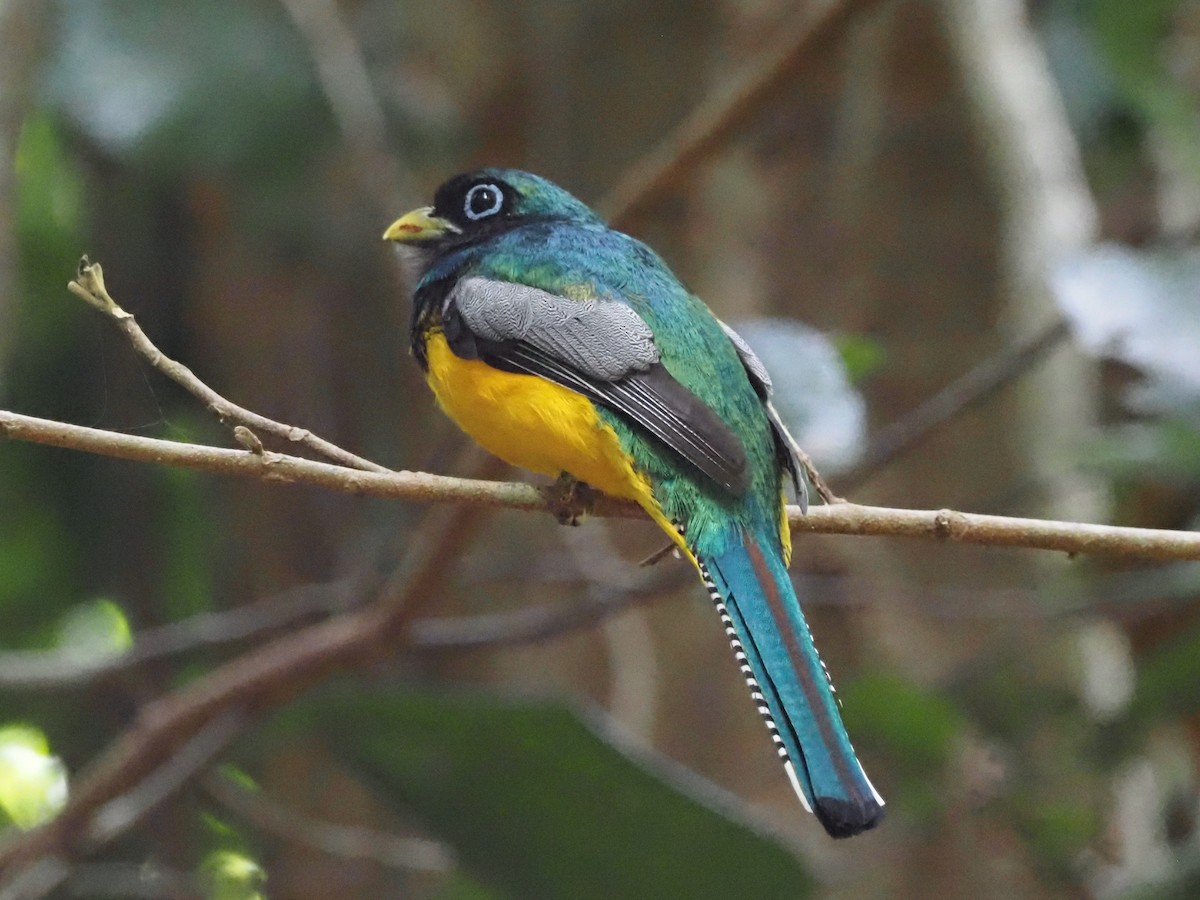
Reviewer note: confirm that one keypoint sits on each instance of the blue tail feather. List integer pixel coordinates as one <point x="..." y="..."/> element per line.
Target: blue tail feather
<point x="789" y="683"/>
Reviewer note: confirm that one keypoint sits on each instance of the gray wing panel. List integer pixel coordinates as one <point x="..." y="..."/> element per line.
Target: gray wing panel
<point x="602" y="338"/>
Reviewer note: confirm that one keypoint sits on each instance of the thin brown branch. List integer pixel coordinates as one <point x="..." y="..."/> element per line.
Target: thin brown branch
<point x="89" y="286"/>
<point x="839" y="518"/>
<point x="536" y="623"/>
<point x="716" y="120"/>
<point x="123" y="812"/>
<point x="30" y="670"/>
<point x="344" y="841"/>
<point x="275" y="467"/>
<point x="998" y="531"/>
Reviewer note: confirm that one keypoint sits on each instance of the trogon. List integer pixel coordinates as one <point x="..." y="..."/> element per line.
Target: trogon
<point x="564" y="346"/>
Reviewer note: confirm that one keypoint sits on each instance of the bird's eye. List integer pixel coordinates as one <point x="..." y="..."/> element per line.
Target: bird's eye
<point x="482" y="200"/>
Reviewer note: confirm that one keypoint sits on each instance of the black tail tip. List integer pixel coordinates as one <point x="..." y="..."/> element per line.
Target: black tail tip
<point x="846" y="818"/>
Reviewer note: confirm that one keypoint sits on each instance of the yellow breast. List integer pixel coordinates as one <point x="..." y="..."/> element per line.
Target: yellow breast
<point x="531" y="422"/>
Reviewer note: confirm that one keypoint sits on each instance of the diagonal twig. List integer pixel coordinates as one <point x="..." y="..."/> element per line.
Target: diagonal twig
<point x="716" y="120"/>
<point x="967" y="391"/>
<point x="344" y="841"/>
<point x="89" y="286"/>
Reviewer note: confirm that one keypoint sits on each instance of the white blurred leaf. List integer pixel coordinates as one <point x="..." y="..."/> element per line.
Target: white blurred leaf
<point x="33" y="782"/>
<point x="1142" y="308"/>
<point x="813" y="393"/>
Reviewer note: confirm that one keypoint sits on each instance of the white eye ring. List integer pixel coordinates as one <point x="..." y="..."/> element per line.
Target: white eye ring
<point x="476" y="214"/>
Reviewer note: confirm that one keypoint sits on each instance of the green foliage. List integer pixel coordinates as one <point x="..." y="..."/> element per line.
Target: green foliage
<point x="541" y="802"/>
<point x="916" y="727"/>
<point x="37" y="562"/>
<point x="33" y="782"/>
<point x="914" y="730"/>
<point x="1058" y="829"/>
<point x="1166" y="451"/>
<point x="233" y="876"/>
<point x="242" y="98"/>
<point x="1131" y="35"/>
<point x="862" y="355"/>
<point x="187" y="579"/>
<point x="94" y="630"/>
<point x="460" y="886"/>
<point x="1167" y="682"/>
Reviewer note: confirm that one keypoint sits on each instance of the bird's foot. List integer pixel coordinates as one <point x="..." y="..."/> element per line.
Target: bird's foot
<point x="569" y="499"/>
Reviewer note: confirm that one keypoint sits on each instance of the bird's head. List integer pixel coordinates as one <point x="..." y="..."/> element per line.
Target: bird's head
<point x="476" y="205"/>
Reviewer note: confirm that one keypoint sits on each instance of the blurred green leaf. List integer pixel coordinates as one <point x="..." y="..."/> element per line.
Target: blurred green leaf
<point x="542" y="802"/>
<point x="1164" y="451"/>
<point x="189" y="534"/>
<point x="242" y="96"/>
<point x="28" y="559"/>
<point x="49" y="223"/>
<point x="460" y="886"/>
<point x="916" y="728"/>
<point x="862" y="355"/>
<point x="95" y="630"/>
<point x="1167" y="681"/>
<point x="49" y="188"/>
<point x="33" y="782"/>
<point x="1059" y="830"/>
<point x="1132" y="36"/>
<point x="233" y="876"/>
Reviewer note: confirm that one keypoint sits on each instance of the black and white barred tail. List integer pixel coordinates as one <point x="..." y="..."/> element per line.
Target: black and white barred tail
<point x="788" y="682"/>
<point x="756" y="694"/>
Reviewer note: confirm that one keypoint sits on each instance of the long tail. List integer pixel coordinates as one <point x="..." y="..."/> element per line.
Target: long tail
<point x="754" y="597"/>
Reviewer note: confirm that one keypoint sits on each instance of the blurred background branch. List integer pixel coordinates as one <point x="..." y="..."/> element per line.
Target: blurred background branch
<point x="342" y="841"/>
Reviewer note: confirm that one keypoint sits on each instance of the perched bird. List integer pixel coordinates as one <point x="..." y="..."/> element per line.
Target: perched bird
<point x="563" y="346"/>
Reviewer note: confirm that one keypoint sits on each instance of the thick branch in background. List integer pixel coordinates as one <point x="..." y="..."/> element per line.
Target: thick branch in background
<point x="342" y="72"/>
<point x="1048" y="214"/>
<point x="250" y="685"/>
<point x="89" y="286"/>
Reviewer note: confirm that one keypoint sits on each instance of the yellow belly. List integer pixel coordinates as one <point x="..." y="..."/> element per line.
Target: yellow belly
<point x="541" y="426"/>
<point x="531" y="422"/>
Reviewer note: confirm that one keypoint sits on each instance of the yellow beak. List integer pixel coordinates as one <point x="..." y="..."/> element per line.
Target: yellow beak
<point x="418" y="225"/>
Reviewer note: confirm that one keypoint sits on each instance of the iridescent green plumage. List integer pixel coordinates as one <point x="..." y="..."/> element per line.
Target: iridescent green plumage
<point x="522" y="276"/>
